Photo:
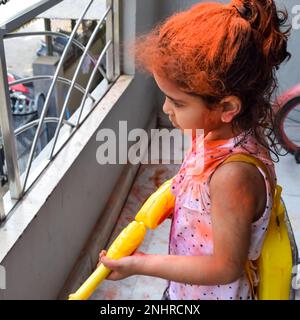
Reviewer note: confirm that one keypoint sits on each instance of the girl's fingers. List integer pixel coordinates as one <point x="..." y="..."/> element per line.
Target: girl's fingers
<point x="99" y="263"/>
<point x="111" y="264"/>
<point x="101" y="255"/>
<point x="114" y="276"/>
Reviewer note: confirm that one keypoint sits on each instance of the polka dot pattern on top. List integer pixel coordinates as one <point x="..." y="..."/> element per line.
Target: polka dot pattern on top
<point x="191" y="231"/>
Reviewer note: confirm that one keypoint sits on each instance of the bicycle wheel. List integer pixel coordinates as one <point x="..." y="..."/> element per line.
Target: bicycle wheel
<point x="287" y="126"/>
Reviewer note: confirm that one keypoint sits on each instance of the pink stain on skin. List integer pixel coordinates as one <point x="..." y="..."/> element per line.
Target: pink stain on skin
<point x="204" y="230"/>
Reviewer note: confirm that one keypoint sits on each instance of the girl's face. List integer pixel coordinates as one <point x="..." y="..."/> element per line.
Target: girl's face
<point x="186" y="111"/>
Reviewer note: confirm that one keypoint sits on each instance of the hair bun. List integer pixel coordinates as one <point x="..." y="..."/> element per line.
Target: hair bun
<point x="267" y="21"/>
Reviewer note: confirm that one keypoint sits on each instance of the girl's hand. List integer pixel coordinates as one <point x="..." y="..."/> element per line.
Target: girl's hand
<point x="121" y="268"/>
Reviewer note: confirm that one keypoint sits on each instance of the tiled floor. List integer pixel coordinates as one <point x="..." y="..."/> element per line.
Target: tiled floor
<point x="148" y="179"/>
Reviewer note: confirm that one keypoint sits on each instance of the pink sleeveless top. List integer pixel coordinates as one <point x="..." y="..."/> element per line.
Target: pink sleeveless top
<point x="191" y="229"/>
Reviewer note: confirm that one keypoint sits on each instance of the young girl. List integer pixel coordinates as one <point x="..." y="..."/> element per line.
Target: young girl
<point x="216" y="65"/>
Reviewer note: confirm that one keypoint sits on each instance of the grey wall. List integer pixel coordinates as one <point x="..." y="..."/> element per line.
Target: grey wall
<point x="138" y="18"/>
<point x="289" y="74"/>
<point x="169" y="7"/>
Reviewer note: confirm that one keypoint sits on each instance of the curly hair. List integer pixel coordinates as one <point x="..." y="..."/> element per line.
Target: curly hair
<point x="214" y="50"/>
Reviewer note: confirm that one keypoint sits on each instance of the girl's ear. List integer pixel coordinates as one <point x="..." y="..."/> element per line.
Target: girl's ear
<point x="231" y="107"/>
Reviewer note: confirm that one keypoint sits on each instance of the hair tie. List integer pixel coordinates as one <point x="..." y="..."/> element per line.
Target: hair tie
<point x="245" y="12"/>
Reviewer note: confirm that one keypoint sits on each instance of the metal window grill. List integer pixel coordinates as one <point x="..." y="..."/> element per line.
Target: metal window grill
<point x="18" y="183"/>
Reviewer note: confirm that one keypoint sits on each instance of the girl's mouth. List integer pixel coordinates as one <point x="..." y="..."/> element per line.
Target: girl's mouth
<point x="173" y="123"/>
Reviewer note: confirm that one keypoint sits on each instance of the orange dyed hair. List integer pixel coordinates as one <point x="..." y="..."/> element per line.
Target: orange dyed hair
<point x="215" y="50"/>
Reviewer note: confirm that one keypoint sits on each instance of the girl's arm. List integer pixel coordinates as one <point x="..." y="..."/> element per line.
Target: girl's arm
<point x="238" y="198"/>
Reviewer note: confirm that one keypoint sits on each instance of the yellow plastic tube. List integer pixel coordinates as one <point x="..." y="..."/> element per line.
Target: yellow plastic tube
<point x="124" y="245"/>
<point x="158" y="206"/>
<point x="91" y="284"/>
<point x="154" y="211"/>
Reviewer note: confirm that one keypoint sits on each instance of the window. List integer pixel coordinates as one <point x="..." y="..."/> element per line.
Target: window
<point x="74" y="66"/>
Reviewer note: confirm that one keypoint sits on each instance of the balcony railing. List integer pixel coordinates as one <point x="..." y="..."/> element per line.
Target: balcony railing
<point x="18" y="183"/>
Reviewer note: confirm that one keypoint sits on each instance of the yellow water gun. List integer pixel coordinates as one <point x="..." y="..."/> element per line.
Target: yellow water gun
<point x="155" y="210"/>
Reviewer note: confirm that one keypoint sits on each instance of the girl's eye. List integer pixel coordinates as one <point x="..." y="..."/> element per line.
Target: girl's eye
<point x="177" y="105"/>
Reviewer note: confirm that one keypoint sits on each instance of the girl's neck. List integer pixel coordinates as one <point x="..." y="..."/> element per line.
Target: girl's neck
<point x="223" y="133"/>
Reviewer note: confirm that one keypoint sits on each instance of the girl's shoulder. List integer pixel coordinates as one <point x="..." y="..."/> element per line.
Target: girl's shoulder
<point x="242" y="182"/>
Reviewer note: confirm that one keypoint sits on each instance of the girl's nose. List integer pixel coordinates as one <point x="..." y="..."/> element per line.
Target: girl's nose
<point x="167" y="109"/>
